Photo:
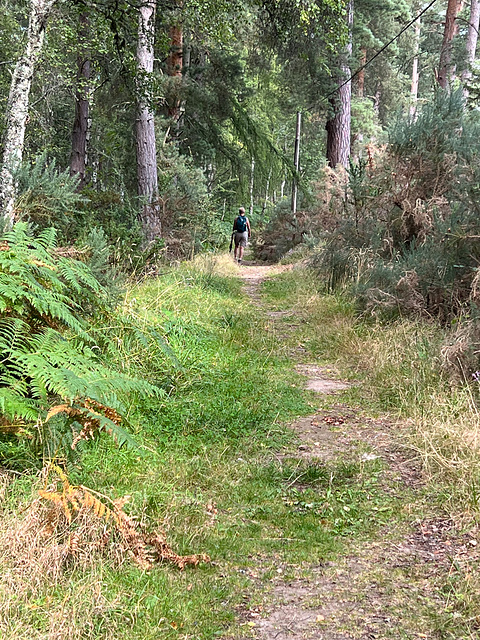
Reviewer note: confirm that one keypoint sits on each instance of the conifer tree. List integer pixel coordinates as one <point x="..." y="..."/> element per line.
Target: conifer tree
<point x="338" y="127"/>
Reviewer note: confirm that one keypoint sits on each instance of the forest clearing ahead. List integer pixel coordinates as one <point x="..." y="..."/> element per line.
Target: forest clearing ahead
<point x="306" y="473"/>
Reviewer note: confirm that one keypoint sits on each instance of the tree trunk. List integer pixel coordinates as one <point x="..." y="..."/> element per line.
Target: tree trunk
<point x="338" y="127"/>
<point x="174" y="70"/>
<point x="415" y="72"/>
<point x="78" y="159"/>
<point x="265" y="202"/>
<point x="471" y="44"/>
<point x="147" y="176"/>
<point x="252" y="184"/>
<point x="296" y="162"/>
<point x="17" y="106"/>
<point x="361" y="74"/>
<point x="445" y="68"/>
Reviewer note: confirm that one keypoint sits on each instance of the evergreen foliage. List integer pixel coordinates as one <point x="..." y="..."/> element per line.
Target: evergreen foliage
<point x="407" y="238"/>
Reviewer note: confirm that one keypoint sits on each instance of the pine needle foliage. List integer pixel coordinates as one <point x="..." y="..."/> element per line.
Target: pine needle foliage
<point x="46" y="195"/>
<point x="406" y="237"/>
<point x="47" y="356"/>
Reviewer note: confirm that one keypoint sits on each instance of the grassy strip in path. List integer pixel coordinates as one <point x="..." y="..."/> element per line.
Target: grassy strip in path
<point x="215" y="473"/>
<point x="399" y="368"/>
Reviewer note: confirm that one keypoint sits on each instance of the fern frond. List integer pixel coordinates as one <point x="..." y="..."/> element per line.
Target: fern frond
<point x="145" y="549"/>
<point x="44" y="354"/>
<point x="14" y="406"/>
<point x="94" y="417"/>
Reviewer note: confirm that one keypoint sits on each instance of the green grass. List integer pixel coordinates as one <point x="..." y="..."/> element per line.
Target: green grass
<point x="215" y="466"/>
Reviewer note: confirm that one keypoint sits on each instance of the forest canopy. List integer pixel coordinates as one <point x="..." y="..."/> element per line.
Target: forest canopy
<point x="153" y="121"/>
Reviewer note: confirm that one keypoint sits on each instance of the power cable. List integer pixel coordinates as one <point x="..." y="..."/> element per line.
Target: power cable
<point x="407" y="26"/>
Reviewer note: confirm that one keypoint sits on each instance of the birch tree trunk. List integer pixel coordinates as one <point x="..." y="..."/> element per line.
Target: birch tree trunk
<point x="265" y="202"/>
<point x="415" y="72"/>
<point x="252" y="184"/>
<point x="338" y="127"/>
<point x="78" y="159"/>
<point x="17" y="107"/>
<point x="471" y="44"/>
<point x="446" y="70"/>
<point x="147" y="177"/>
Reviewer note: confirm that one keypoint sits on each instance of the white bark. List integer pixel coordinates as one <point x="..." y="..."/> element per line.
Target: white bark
<point x="296" y="162"/>
<point x="471" y="44"/>
<point x="17" y="106"/>
<point x="145" y="125"/>
<point x="415" y="72"/>
<point x="252" y="184"/>
<point x="267" y="187"/>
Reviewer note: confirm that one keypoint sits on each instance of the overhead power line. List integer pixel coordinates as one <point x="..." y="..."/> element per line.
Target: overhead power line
<point x="407" y="26"/>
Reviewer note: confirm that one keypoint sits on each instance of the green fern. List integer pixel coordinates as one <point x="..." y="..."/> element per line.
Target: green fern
<point x="46" y="353"/>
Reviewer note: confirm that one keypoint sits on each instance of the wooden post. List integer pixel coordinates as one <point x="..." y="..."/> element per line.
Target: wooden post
<point x="296" y="162"/>
<point x="415" y="72"/>
<point x="252" y="184"/>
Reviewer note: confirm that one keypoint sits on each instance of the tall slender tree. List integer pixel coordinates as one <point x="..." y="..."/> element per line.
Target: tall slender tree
<point x="361" y="73"/>
<point x="338" y="127"/>
<point x="78" y="158"/>
<point x="415" y="70"/>
<point x="18" y="103"/>
<point x="175" y="63"/>
<point x="147" y="176"/>
<point x="471" y="44"/>
<point x="446" y="70"/>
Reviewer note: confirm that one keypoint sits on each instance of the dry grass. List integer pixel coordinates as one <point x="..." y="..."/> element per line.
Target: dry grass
<point x="447" y="436"/>
<point x="402" y="366"/>
<point x="221" y="264"/>
<point x="66" y="540"/>
<point x="35" y="560"/>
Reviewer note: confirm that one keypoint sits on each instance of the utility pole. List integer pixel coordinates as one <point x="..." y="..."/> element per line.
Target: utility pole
<point x="296" y="162"/>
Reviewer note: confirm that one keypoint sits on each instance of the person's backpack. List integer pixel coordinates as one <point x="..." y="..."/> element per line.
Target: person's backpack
<point x="241" y="225"/>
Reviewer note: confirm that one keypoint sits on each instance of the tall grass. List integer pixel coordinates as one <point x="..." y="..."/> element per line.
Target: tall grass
<point x="214" y="468"/>
<point x="399" y="365"/>
<point x="201" y="473"/>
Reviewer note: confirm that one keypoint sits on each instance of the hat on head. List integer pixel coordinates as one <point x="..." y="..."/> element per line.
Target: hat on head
<point x="241" y="210"/>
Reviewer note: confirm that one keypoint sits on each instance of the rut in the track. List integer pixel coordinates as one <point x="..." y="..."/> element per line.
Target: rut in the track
<point x="369" y="591"/>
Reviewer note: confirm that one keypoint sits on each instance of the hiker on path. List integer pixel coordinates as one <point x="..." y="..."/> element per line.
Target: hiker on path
<point x="242" y="232"/>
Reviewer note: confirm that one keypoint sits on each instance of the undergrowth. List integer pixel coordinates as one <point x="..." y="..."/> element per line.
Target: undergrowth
<point x="397" y="367"/>
<point x="204" y="473"/>
<point x="214" y="470"/>
<point x="401" y="371"/>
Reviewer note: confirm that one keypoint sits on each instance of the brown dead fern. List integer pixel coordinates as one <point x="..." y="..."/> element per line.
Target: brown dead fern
<point x="88" y="413"/>
<point x="71" y="503"/>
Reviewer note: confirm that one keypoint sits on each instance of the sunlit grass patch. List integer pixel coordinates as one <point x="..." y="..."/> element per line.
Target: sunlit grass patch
<point x="216" y="467"/>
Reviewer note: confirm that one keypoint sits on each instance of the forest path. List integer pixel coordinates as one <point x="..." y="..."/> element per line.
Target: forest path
<point x="385" y="584"/>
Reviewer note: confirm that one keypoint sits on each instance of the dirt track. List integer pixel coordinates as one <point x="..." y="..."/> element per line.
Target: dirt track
<point x="372" y="589"/>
